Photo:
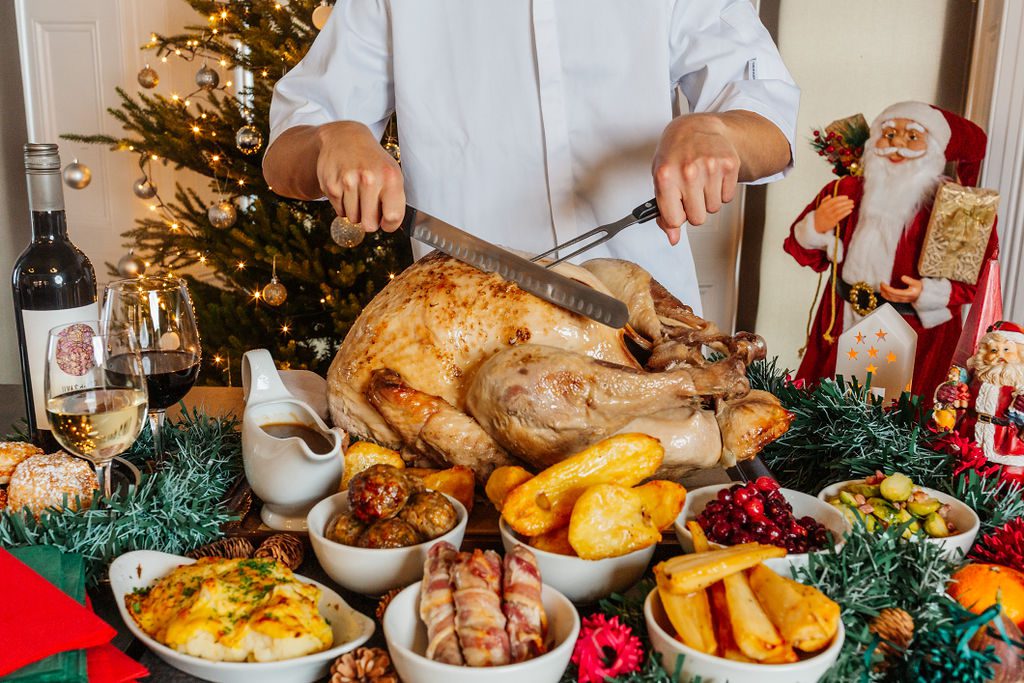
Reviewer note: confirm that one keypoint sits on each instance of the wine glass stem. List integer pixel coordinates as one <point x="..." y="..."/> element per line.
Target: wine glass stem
<point x="156" y="425"/>
<point x="103" y="476"/>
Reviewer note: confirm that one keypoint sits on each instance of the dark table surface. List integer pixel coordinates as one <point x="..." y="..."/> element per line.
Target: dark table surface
<point x="12" y="410"/>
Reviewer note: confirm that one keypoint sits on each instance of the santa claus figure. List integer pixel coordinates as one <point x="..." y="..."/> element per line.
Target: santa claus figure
<point x="872" y="227"/>
<point x="995" y="410"/>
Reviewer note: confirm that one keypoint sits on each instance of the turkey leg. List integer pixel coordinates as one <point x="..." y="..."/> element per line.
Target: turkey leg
<point x="545" y="403"/>
<point x="433" y="428"/>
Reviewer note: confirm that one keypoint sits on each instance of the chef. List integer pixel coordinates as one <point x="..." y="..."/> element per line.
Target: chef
<point x="528" y="123"/>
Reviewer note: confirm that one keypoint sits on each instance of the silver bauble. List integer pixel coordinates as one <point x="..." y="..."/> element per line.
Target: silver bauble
<point x="346" y="233"/>
<point x="223" y="214"/>
<point x="207" y="78"/>
<point x="320" y="15"/>
<point x="76" y="175"/>
<point x="148" y="78"/>
<point x="143" y="188"/>
<point x="275" y="293"/>
<point x="131" y="265"/>
<point x="248" y="139"/>
<point x="392" y="148"/>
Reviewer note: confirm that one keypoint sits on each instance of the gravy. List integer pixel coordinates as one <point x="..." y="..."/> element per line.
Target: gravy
<point x="316" y="441"/>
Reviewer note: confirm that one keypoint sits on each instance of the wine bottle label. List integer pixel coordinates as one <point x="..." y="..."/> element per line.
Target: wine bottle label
<point x="73" y="362"/>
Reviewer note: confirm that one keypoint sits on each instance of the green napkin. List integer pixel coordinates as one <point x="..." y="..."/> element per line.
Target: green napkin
<point x="67" y="572"/>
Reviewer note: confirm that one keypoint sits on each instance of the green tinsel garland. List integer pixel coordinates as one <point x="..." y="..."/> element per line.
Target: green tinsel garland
<point x="176" y="508"/>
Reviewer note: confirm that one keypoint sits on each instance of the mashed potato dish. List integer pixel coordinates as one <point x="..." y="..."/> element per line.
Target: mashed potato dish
<point x="233" y="611"/>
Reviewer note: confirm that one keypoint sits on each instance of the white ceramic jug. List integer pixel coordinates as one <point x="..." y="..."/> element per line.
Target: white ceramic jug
<point x="284" y="472"/>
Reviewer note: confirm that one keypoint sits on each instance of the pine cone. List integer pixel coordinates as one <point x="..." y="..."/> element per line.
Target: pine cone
<point x="230" y="548"/>
<point x="364" y="665"/>
<point x="385" y="600"/>
<point x="895" y="627"/>
<point x="284" y="548"/>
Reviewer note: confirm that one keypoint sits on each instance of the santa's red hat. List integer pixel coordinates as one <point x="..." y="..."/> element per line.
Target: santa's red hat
<point x="964" y="142"/>
<point x="1008" y="330"/>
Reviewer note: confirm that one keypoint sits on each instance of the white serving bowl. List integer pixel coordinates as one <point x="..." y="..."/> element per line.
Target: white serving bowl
<point x="406" y="637"/>
<point x="803" y="505"/>
<point x="712" y="669"/>
<point x="372" y="571"/>
<point x="140" y="568"/>
<point x="966" y="520"/>
<point x="580" y="580"/>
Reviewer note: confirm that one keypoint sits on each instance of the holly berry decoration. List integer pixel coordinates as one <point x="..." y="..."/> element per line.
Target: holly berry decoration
<point x="606" y="648"/>
<point x="758" y="511"/>
<point x="842" y="144"/>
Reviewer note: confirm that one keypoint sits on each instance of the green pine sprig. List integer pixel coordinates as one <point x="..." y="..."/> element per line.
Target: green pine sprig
<point x="179" y="506"/>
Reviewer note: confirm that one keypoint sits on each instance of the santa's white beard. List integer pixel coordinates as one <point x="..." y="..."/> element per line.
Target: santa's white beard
<point x="893" y="194"/>
<point x="1000" y="374"/>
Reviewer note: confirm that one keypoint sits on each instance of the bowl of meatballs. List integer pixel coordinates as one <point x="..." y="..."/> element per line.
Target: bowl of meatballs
<point x="375" y="535"/>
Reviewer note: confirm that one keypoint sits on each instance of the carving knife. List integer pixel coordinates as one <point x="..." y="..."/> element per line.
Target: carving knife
<point x="531" y="277"/>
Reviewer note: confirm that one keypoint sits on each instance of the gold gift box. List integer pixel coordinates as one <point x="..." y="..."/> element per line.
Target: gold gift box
<point x="958" y="232"/>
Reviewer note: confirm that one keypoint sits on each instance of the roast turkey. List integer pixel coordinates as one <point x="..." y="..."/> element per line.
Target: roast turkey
<point x="457" y="366"/>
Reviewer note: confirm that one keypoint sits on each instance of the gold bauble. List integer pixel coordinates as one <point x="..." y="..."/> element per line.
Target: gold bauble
<point x="275" y="293"/>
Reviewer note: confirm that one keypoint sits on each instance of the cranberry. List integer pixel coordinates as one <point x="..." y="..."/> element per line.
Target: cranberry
<point x="797" y="530"/>
<point x="773" y="534"/>
<point x="714" y="506"/>
<point x="754" y="507"/>
<point x="766" y="484"/>
<point x="720" y="531"/>
<point x="738" y="517"/>
<point x="808" y="522"/>
<point x="725" y="496"/>
<point x="742" y="537"/>
<point x="741" y="497"/>
<point x="758" y="528"/>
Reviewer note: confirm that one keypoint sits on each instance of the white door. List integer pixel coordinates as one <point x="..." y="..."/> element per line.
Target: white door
<point x="73" y="57"/>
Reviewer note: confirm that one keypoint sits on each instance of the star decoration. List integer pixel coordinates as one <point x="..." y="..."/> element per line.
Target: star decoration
<point x="891" y="358"/>
<point x="873" y="352"/>
<point x="881" y="334"/>
<point x="871" y="368"/>
<point x="859" y="338"/>
<point x="852" y="354"/>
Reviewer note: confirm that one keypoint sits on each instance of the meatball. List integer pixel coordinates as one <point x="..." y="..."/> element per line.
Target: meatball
<point x="389" y="533"/>
<point x="345" y="528"/>
<point x="429" y="513"/>
<point x="379" y="492"/>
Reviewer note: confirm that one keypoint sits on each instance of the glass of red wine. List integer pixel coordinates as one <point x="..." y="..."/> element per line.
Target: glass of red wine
<point x="159" y="311"/>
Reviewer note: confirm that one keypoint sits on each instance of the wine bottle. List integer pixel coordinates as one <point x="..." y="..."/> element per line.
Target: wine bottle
<point x="54" y="283"/>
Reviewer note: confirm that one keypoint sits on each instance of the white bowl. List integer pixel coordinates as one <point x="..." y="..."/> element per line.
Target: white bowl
<point x="372" y="571"/>
<point x="803" y="505"/>
<point x="406" y="637"/>
<point x="140" y="568"/>
<point x="966" y="520"/>
<point x="580" y="580"/>
<point x="712" y="669"/>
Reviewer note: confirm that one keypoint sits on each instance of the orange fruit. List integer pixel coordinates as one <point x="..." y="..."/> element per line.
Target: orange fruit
<point x="979" y="586"/>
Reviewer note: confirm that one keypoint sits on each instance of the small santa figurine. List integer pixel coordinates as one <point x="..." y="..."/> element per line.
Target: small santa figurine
<point x="994" y="417"/>
<point x="872" y="227"/>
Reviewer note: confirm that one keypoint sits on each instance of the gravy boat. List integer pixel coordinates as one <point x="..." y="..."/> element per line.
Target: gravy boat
<point x="284" y="472"/>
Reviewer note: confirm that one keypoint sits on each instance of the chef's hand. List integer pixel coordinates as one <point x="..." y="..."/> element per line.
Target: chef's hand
<point x="907" y="295"/>
<point x="830" y="212"/>
<point x="696" y="168"/>
<point x="362" y="181"/>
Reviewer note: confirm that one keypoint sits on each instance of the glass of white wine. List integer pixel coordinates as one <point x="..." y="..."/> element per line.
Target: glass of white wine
<point x="95" y="392"/>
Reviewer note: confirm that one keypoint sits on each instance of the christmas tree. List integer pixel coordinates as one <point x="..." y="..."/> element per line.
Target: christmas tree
<point x="247" y="234"/>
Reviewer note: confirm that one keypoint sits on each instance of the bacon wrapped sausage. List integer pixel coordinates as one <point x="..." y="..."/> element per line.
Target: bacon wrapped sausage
<point x="479" y="620"/>
<point x="437" y="605"/>
<point x="526" y="622"/>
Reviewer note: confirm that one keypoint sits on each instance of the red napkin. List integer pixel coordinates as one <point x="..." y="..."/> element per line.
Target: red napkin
<point x="107" y="664"/>
<point x="37" y="619"/>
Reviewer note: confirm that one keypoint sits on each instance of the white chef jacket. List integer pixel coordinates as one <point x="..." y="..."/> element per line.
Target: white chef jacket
<point x="529" y="122"/>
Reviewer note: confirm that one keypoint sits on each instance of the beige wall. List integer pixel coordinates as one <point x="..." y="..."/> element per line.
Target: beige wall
<point x="848" y="57"/>
<point x="15" y="229"/>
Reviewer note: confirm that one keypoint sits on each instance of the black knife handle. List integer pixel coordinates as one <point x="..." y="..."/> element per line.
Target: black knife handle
<point x="646" y="211"/>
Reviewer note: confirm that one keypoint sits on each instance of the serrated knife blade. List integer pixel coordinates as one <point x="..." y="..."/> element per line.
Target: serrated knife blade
<point x="531" y="277"/>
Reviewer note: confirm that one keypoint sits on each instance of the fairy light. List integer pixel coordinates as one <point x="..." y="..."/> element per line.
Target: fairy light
<point x="154" y="157"/>
<point x="202" y="258"/>
<point x="177" y="52"/>
<point x="228" y="84"/>
<point x="223" y="62"/>
<point x="285" y="328"/>
<point x="256" y="294"/>
<point x="218" y="360"/>
<point x="163" y="59"/>
<point x="131" y="148"/>
<point x="188" y="102"/>
<point x="195" y="129"/>
<point x="391" y="276"/>
<point x="175" y="226"/>
<point x="241" y="182"/>
<point x="174" y="96"/>
<point x="263" y="72"/>
<point x="215" y="158"/>
<point x="152" y="207"/>
<point x="241" y="265"/>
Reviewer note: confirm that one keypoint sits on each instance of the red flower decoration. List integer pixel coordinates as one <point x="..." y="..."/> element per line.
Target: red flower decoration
<point x="1003" y="546"/>
<point x="605" y="648"/>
